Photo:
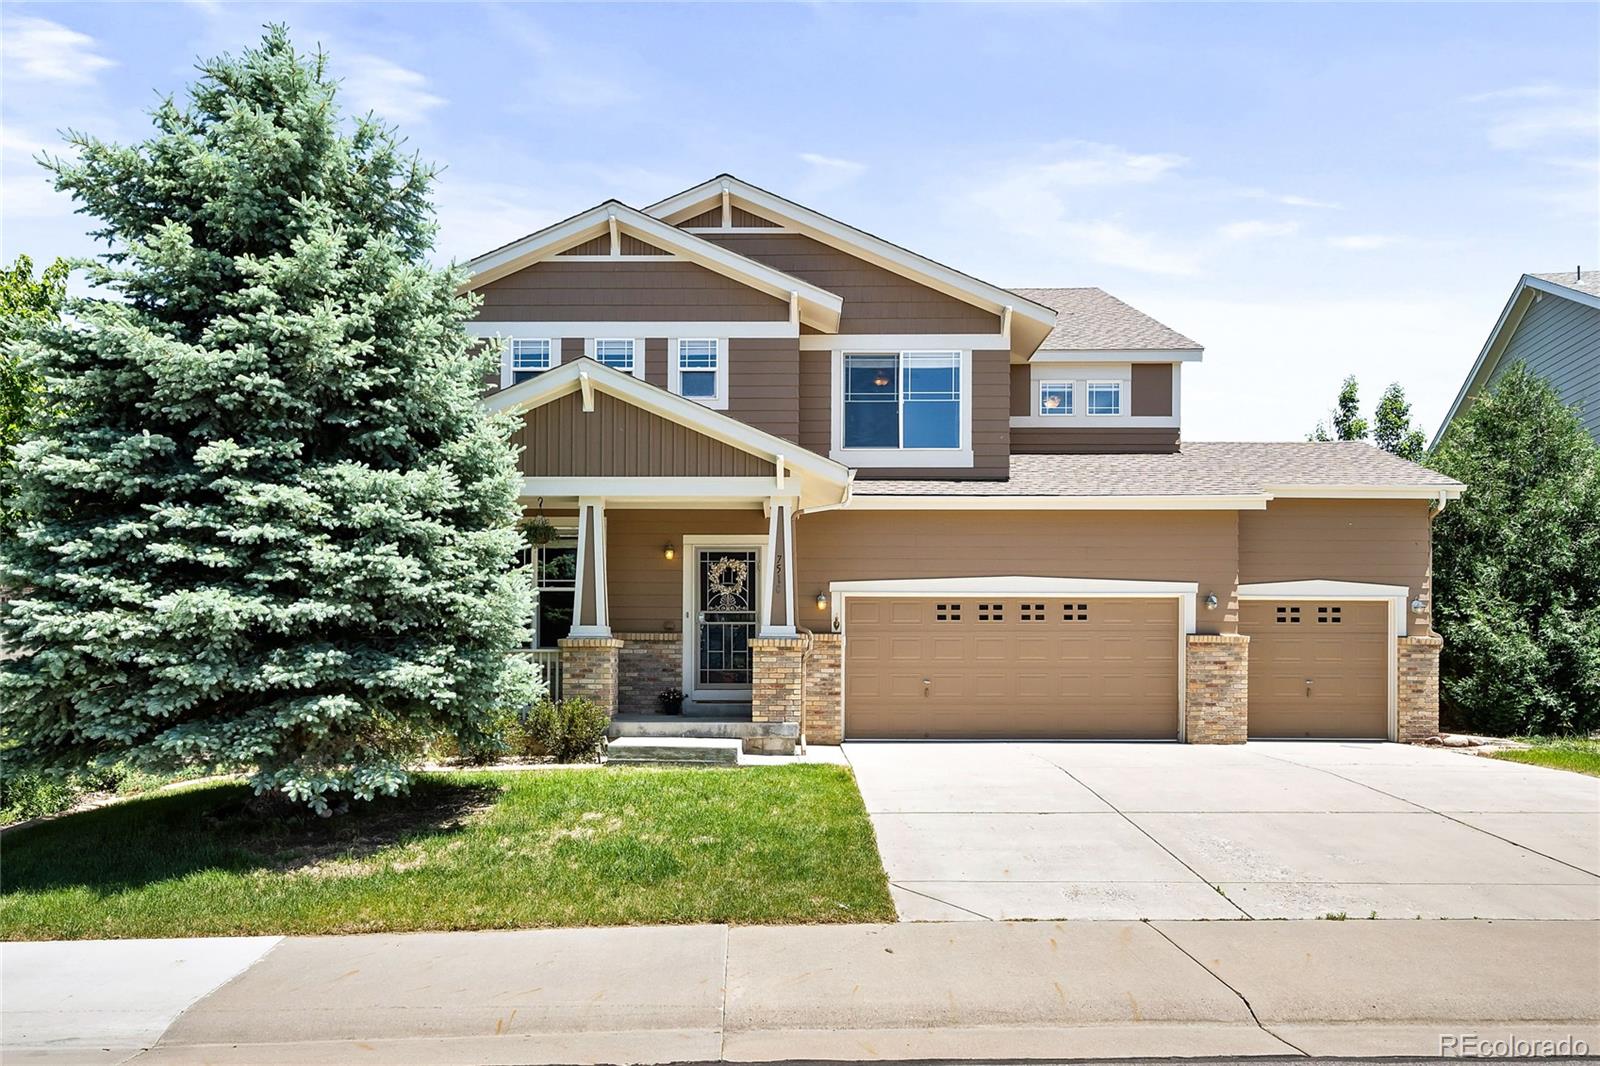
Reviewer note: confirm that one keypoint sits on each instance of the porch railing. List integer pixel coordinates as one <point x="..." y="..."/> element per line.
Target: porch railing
<point x="549" y="662"/>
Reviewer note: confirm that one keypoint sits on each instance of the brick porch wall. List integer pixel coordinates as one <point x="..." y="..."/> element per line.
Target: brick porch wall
<point x="647" y="663"/>
<point x="824" y="696"/>
<point x="589" y="669"/>
<point x="776" y="679"/>
<point x="1217" y="689"/>
<point x="1417" y="687"/>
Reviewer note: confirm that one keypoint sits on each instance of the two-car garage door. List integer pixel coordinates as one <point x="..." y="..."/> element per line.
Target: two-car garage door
<point x="988" y="666"/>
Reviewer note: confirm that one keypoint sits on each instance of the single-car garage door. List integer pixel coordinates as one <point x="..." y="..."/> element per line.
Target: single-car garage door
<point x="1317" y="669"/>
<point x="1006" y="667"/>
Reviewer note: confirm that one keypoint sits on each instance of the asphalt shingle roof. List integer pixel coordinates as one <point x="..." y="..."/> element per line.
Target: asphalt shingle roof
<point x="1201" y="469"/>
<point x="1094" y="320"/>
<point x="1590" y="283"/>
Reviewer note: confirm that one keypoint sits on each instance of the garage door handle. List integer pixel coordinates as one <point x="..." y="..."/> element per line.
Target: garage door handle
<point x="926" y="685"/>
<point x="1308" y="686"/>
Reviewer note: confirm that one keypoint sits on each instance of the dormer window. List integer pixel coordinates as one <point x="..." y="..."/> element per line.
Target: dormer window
<point x="1105" y="397"/>
<point x="1055" y="398"/>
<point x="617" y="354"/>
<point x="529" y="358"/>
<point x="902" y="400"/>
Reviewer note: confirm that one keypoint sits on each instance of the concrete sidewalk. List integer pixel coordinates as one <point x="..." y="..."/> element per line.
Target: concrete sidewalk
<point x="960" y="990"/>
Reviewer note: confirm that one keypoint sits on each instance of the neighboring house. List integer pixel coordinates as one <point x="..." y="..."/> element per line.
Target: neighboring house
<point x="834" y="488"/>
<point x="1551" y="323"/>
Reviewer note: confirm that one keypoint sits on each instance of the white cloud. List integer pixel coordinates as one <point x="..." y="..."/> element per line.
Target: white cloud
<point x="1529" y="116"/>
<point x="1080" y="164"/>
<point x="1306" y="201"/>
<point x="578" y="89"/>
<point x="1250" y="229"/>
<point x="40" y="50"/>
<point x="1110" y="243"/>
<point x="1538" y="91"/>
<point x="399" y="94"/>
<point x="1365" y="242"/>
<point x="842" y="167"/>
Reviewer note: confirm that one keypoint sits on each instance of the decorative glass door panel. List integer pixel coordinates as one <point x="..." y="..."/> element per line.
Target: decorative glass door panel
<point x="726" y="581"/>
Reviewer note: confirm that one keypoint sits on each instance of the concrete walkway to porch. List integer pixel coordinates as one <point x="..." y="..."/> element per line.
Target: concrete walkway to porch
<point x="705" y="993"/>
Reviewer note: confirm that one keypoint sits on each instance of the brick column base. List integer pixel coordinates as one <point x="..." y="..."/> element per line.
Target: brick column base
<point x="777" y="678"/>
<point x="589" y="669"/>
<point x="1417" y="688"/>
<point x="647" y="664"/>
<point x="1216" y="689"/>
<point x="824" y="696"/>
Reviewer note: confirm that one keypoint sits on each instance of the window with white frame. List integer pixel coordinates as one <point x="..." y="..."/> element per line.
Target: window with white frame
<point x="902" y="400"/>
<point x="554" y="569"/>
<point x="617" y="354"/>
<point x="1105" y="397"/>
<point x="699" y="370"/>
<point x="1055" y="397"/>
<point x="529" y="358"/>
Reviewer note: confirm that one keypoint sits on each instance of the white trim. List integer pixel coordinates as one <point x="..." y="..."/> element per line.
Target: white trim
<point x="718" y="400"/>
<point x="564" y="380"/>
<point x="737" y="229"/>
<point x="931" y="458"/>
<point x="624" y="258"/>
<point x="1395" y="596"/>
<point x="1117" y="355"/>
<point x="591" y="512"/>
<point x="822" y="307"/>
<point x="1185" y="592"/>
<point x="894" y="342"/>
<point x="1365" y="492"/>
<point x="1102" y="383"/>
<point x="1039" y="318"/>
<point x="782" y="328"/>
<point x="1250" y="502"/>
<point x="691" y="624"/>
<point x="653" y="488"/>
<point x="778" y="530"/>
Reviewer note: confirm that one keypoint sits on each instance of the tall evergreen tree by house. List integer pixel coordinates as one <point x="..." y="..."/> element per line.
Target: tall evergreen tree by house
<point x="1518" y="588"/>
<point x="266" y="521"/>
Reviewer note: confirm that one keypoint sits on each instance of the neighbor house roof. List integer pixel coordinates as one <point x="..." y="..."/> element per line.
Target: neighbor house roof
<point x="1089" y="319"/>
<point x="1573" y="280"/>
<point x="1223" y="469"/>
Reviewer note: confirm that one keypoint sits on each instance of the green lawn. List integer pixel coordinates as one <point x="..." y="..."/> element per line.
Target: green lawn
<point x="465" y="851"/>
<point x="1578" y="754"/>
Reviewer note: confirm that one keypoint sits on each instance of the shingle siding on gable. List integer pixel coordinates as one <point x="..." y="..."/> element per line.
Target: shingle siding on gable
<point x="1560" y="341"/>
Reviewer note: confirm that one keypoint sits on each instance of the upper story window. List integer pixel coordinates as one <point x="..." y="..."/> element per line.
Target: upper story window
<point x="902" y="400"/>
<point x="1055" y="397"/>
<point x="1105" y="397"/>
<point x="700" y="371"/>
<point x="617" y="354"/>
<point x="529" y="359"/>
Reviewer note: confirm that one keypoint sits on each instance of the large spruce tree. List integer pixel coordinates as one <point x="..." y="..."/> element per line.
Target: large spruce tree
<point x="265" y="520"/>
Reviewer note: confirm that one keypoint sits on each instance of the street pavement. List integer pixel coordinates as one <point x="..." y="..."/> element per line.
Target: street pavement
<point x="932" y="991"/>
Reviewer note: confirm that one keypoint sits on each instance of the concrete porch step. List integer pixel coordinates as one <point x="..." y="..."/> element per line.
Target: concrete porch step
<point x="664" y="725"/>
<point x="690" y="751"/>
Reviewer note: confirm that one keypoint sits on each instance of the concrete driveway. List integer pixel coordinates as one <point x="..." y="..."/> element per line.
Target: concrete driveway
<point x="1277" y="829"/>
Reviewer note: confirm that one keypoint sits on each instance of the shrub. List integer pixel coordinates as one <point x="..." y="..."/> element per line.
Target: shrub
<point x="573" y="730"/>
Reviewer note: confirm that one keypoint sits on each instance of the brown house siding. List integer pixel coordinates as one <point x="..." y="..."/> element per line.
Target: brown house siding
<point x="1199" y="546"/>
<point x="1041" y="440"/>
<point x="763" y="383"/>
<point x="1381" y="541"/>
<point x="816" y="400"/>
<point x="1021" y="391"/>
<point x="616" y="439"/>
<point x="655" y="361"/>
<point x="711" y="217"/>
<point x="600" y="245"/>
<point x="1152" y="389"/>
<point x="875" y="300"/>
<point x="748" y="219"/>
<point x="620" y="291"/>
<point x="646" y="587"/>
<point x="991" y="426"/>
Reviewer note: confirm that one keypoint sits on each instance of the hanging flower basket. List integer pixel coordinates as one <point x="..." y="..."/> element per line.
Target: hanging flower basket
<point x="538" y="531"/>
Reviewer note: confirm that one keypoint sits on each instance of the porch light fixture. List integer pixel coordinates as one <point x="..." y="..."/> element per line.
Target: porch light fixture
<point x="1211" y="601"/>
<point x="670" y="552"/>
<point x="822" y="601"/>
<point x="1418" y="606"/>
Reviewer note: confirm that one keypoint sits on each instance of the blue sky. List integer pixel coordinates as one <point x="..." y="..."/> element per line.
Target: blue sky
<point x="1308" y="190"/>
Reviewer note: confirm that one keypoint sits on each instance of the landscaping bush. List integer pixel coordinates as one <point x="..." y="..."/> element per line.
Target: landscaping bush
<point x="573" y="730"/>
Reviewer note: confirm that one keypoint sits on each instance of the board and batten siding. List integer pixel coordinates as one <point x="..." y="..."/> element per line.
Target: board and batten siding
<point x="1387" y="542"/>
<point x="846" y="545"/>
<point x="1559" y="340"/>
<point x="620" y="291"/>
<point x="875" y="300"/>
<point x="617" y="439"/>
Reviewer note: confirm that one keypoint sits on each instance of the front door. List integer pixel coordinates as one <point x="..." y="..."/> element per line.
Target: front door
<point x="725" y="583"/>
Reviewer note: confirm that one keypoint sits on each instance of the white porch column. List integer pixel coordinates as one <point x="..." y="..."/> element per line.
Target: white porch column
<point x="777" y="570"/>
<point x="591" y="614"/>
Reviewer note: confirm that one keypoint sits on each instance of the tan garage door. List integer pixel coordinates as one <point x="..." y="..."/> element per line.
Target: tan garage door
<point x="1005" y="667"/>
<point x="1317" y="669"/>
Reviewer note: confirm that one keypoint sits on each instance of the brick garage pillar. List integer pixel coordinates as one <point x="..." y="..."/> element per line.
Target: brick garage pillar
<point x="647" y="663"/>
<point x="1217" y="689"/>
<point x="776" y="678"/>
<point x="824" y="697"/>
<point x="589" y="669"/>
<point x="1417" y="688"/>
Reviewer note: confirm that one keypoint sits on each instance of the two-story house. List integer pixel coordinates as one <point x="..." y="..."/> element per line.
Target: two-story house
<point x="826" y="484"/>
